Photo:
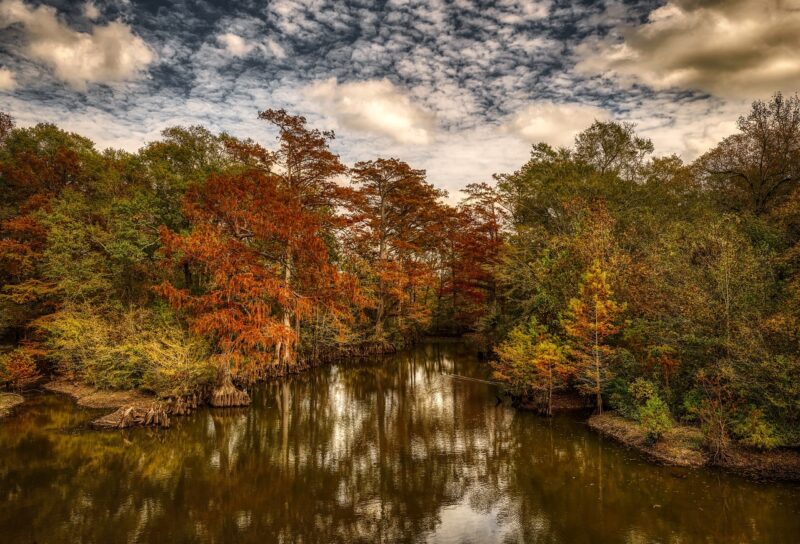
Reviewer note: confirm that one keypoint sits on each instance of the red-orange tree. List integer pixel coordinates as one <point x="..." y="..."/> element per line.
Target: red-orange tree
<point x="471" y="252"/>
<point x="259" y="249"/>
<point x="306" y="172"/>
<point x="397" y="226"/>
<point x="238" y="291"/>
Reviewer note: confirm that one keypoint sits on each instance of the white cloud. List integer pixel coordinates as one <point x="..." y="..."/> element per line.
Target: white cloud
<point x="552" y="123"/>
<point x="275" y="49"/>
<point x="374" y="106"/>
<point x="235" y="45"/>
<point x="686" y="127"/>
<point x="7" y="80"/>
<point x="90" y="11"/>
<point x="473" y="155"/>
<point x="729" y="48"/>
<point x="519" y="11"/>
<point x="107" y="54"/>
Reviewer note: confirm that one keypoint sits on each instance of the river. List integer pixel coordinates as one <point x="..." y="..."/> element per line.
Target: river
<point x="385" y="450"/>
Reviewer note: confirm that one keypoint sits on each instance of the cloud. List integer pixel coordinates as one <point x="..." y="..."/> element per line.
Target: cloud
<point x="474" y="155"/>
<point x="519" y="11"/>
<point x="107" y="54"/>
<point x="552" y="123"/>
<point x="7" y="80"/>
<point x="374" y="106"/>
<point x="460" y="88"/>
<point x="686" y="126"/>
<point x="275" y="49"/>
<point x="90" y="11"/>
<point x="729" y="48"/>
<point x="235" y="45"/>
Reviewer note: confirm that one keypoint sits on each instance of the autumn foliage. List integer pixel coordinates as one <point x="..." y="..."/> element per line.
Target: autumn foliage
<point x="203" y="262"/>
<point x="591" y="319"/>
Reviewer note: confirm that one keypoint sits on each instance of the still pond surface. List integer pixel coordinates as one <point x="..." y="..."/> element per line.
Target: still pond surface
<point x="392" y="450"/>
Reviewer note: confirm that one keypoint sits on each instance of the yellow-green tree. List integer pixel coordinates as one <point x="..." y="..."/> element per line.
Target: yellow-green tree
<point x="532" y="364"/>
<point x="593" y="317"/>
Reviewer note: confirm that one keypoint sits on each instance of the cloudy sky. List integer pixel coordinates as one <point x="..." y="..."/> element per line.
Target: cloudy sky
<point x="458" y="87"/>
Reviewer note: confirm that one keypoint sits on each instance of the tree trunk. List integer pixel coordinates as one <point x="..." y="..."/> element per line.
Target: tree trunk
<point x="598" y="390"/>
<point x="283" y="352"/>
<point x="226" y="394"/>
<point x="380" y="310"/>
<point x="597" y="378"/>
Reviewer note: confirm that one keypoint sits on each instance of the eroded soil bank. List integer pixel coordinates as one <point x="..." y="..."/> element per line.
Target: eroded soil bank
<point x="131" y="408"/>
<point x="683" y="446"/>
<point x="8" y="401"/>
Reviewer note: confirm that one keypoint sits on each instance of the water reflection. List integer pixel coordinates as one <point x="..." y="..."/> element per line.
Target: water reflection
<point x="389" y="451"/>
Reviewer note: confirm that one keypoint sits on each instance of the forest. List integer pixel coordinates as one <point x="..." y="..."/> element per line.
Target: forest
<point x="665" y="291"/>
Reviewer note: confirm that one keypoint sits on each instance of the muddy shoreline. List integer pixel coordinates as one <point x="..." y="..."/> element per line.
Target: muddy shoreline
<point x="8" y="401"/>
<point x="130" y="408"/>
<point x="683" y="446"/>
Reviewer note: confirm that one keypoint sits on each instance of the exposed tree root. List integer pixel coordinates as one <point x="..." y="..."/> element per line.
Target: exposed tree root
<point x="154" y="415"/>
<point x="183" y="406"/>
<point x="226" y="394"/>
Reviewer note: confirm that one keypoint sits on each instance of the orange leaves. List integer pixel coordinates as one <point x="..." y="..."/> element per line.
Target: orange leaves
<point x="18" y="367"/>
<point x="397" y="225"/>
<point x="308" y="167"/>
<point x="533" y="364"/>
<point x="257" y="248"/>
<point x="593" y="316"/>
<point x="242" y="291"/>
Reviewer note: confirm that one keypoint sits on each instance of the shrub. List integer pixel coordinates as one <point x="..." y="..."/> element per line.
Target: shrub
<point x="754" y="431"/>
<point x="655" y="418"/>
<point x="176" y="364"/>
<point x="18" y="367"/>
<point x="127" y="350"/>
<point x="90" y="347"/>
<point x="642" y="390"/>
<point x="691" y="406"/>
<point x="629" y="398"/>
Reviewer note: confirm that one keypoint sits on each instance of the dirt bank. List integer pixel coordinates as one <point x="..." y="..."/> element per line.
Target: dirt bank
<point x="681" y="446"/>
<point x="131" y="408"/>
<point x="9" y="401"/>
<point x="90" y="397"/>
<point x="782" y="464"/>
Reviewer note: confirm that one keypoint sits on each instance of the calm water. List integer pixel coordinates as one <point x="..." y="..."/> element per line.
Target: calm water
<point x="389" y="451"/>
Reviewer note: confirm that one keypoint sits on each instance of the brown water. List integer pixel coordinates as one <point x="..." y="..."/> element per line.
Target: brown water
<point x="384" y="451"/>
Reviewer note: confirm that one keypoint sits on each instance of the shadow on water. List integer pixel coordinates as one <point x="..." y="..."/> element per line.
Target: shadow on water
<point x="387" y="450"/>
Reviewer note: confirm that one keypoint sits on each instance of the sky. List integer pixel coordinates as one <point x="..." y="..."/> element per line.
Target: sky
<point x="461" y="88"/>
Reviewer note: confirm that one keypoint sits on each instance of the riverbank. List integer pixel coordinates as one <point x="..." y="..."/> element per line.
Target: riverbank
<point x="134" y="408"/>
<point x="130" y="408"/>
<point x="8" y="401"/>
<point x="562" y="402"/>
<point x="683" y="446"/>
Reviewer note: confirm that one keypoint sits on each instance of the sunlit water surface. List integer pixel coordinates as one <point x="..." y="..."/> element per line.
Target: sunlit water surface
<point x="392" y="450"/>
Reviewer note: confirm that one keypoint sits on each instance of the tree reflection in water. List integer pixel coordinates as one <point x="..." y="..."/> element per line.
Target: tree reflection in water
<point x="390" y="450"/>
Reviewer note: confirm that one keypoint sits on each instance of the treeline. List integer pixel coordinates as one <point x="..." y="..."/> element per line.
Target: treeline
<point x="666" y="291"/>
<point x="206" y="260"/>
<point x="663" y="290"/>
